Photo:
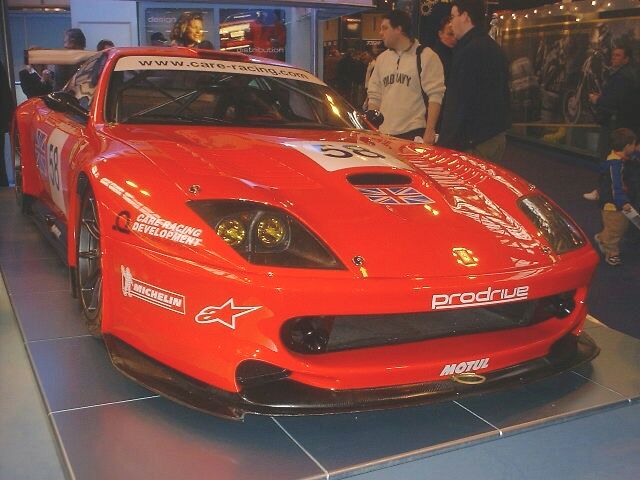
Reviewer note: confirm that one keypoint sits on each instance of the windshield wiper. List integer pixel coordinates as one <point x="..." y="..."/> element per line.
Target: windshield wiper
<point x="214" y="120"/>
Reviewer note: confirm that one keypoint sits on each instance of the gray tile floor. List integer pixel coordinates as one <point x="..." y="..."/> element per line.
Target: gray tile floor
<point x="602" y="446"/>
<point x="106" y="426"/>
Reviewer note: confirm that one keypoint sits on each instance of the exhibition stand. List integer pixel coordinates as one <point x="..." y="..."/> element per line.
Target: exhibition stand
<point x="108" y="427"/>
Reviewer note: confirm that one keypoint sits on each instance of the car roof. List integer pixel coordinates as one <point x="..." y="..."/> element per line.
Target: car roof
<point x="188" y="52"/>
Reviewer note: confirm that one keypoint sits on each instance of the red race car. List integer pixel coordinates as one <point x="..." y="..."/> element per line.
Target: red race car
<point x="245" y="241"/>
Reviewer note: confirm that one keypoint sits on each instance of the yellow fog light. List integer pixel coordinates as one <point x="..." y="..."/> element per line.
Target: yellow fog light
<point x="231" y="231"/>
<point x="271" y="231"/>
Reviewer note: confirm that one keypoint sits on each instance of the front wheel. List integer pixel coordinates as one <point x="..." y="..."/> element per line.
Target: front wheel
<point x="89" y="263"/>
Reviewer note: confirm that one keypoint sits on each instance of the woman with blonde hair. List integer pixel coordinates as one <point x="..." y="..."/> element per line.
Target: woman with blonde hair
<point x="188" y="31"/>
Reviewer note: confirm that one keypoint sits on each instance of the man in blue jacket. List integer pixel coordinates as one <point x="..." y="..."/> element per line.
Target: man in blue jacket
<point x="477" y="110"/>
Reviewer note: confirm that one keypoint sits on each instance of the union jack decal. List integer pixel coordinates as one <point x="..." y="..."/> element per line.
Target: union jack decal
<point x="395" y="195"/>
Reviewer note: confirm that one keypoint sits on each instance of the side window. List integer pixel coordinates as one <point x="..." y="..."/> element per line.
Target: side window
<point x="83" y="84"/>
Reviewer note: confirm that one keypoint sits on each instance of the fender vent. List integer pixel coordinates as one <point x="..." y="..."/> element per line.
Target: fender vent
<point x="378" y="179"/>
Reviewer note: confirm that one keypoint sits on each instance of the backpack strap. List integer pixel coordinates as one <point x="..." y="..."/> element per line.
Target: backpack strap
<point x="419" y="51"/>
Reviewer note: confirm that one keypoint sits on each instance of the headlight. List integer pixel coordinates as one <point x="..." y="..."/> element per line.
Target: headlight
<point x="231" y="231"/>
<point x="271" y="231"/>
<point x="559" y="230"/>
<point x="265" y="235"/>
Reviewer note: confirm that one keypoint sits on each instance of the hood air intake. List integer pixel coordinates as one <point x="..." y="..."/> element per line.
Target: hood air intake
<point x="378" y="179"/>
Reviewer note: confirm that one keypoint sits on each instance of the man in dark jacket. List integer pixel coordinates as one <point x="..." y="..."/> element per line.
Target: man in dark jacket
<point x="477" y="111"/>
<point x="444" y="45"/>
<point x="618" y="104"/>
<point x="35" y="80"/>
<point x="7" y="106"/>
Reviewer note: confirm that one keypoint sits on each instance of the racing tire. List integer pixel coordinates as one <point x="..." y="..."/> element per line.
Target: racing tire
<point x="23" y="200"/>
<point x="89" y="263"/>
<point x="572" y="106"/>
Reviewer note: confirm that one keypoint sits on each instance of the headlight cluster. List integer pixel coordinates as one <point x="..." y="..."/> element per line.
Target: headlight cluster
<point x="559" y="230"/>
<point x="265" y="235"/>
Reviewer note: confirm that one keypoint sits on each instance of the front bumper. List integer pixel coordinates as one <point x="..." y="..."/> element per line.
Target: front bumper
<point x="289" y="397"/>
<point x="212" y="349"/>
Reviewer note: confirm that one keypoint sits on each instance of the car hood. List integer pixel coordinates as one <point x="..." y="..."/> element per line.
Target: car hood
<point x="447" y="214"/>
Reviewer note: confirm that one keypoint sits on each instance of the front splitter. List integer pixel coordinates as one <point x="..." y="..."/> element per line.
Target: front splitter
<point x="288" y="397"/>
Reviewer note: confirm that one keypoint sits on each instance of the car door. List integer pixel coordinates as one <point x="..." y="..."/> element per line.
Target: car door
<point x="61" y="135"/>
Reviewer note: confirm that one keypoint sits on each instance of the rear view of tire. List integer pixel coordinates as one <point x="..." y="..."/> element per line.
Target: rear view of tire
<point x="89" y="263"/>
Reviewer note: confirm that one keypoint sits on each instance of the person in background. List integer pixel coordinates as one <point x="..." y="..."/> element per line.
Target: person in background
<point x="331" y="60"/>
<point x="615" y="194"/>
<point x="74" y="39"/>
<point x="402" y="94"/>
<point x="494" y="27"/>
<point x="477" y="112"/>
<point x="188" y="31"/>
<point x="444" y="49"/>
<point x="346" y="70"/>
<point x="159" y="40"/>
<point x="104" y="44"/>
<point x="279" y="37"/>
<point x="7" y="105"/>
<point x="376" y="50"/>
<point x="35" y="80"/>
<point x="632" y="176"/>
<point x="359" y="91"/>
<point x="444" y="45"/>
<point x="618" y="104"/>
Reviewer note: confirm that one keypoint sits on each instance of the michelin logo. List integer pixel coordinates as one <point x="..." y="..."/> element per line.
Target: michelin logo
<point x="464" y="367"/>
<point x="490" y="296"/>
<point x="134" y="288"/>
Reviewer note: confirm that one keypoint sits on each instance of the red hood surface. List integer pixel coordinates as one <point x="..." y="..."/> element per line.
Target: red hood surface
<point x="472" y="203"/>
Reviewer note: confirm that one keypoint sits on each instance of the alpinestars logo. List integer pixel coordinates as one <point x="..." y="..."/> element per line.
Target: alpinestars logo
<point x="463" y="367"/>
<point x="132" y="287"/>
<point x="490" y="296"/>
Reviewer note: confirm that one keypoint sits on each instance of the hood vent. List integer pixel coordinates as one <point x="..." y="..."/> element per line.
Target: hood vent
<point x="362" y="179"/>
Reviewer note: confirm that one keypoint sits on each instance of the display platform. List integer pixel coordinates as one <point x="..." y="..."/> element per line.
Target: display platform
<point x="108" y="427"/>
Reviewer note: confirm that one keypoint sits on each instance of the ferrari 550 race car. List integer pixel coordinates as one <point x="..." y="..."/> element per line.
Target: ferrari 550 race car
<point x="245" y="241"/>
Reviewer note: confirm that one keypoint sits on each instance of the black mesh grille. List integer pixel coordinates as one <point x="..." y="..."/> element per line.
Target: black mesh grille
<point x="343" y="332"/>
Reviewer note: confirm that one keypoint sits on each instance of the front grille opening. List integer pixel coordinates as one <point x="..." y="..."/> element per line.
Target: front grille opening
<point x="323" y="334"/>
<point x="251" y="373"/>
<point x="378" y="179"/>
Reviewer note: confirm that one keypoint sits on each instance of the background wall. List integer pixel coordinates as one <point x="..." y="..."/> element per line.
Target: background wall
<point x="115" y="20"/>
<point x="27" y="29"/>
<point x="298" y="51"/>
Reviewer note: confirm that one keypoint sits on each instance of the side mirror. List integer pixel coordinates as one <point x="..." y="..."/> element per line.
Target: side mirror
<point x="66" y="103"/>
<point x="374" y="117"/>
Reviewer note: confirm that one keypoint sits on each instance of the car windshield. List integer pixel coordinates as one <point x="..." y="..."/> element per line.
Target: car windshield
<point x="177" y="90"/>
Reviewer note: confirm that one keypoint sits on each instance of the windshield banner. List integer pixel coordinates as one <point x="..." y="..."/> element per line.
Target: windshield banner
<point x="208" y="65"/>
